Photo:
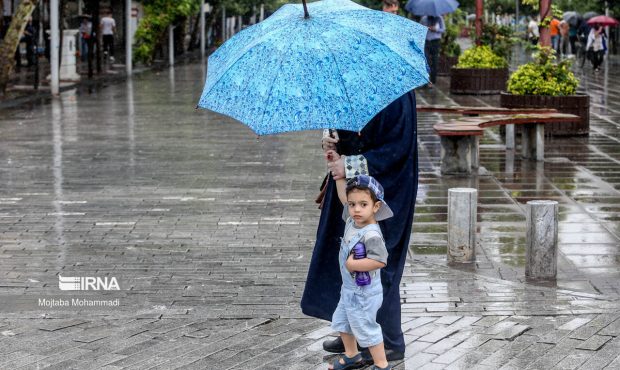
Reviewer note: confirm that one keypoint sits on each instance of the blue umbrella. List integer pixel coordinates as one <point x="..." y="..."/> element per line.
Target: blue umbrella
<point x="336" y="68"/>
<point x="431" y="7"/>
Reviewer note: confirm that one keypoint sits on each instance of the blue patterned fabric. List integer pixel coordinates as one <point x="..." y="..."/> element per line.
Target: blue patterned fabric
<point x="336" y="69"/>
<point x="355" y="165"/>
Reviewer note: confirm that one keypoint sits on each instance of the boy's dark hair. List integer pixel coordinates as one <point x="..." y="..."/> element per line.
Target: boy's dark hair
<point x="351" y="187"/>
<point x="389" y="3"/>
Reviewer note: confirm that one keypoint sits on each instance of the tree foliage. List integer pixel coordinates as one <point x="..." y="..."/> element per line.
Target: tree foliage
<point x="158" y="15"/>
<point x="11" y="40"/>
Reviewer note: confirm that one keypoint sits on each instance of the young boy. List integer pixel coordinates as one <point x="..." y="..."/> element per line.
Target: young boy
<point x="355" y="316"/>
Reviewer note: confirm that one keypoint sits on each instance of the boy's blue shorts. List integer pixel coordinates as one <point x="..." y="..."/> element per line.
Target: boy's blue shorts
<point x="356" y="314"/>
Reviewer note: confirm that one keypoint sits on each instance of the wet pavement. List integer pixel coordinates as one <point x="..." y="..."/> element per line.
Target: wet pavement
<point x="208" y="232"/>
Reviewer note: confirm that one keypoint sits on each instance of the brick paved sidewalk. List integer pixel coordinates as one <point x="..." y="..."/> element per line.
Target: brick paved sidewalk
<point x="209" y="233"/>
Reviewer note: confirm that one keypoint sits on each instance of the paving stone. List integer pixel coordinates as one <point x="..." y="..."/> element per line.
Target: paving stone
<point x="437" y="335"/>
<point x="594" y="343"/>
<point x="442" y="346"/>
<point x="575" y="323"/>
<point x="573" y="360"/>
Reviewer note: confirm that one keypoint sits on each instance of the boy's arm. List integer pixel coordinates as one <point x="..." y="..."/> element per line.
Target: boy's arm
<point x="341" y="186"/>
<point x="363" y="265"/>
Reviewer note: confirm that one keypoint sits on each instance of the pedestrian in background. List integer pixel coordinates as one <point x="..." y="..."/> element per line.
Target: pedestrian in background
<point x="28" y="40"/>
<point x="86" y="29"/>
<point x="554" y="30"/>
<point x="572" y="38"/>
<point x="108" y="27"/>
<point x="564" y="41"/>
<point x="597" y="46"/>
<point x="532" y="31"/>
<point x="436" y="28"/>
<point x="390" y="6"/>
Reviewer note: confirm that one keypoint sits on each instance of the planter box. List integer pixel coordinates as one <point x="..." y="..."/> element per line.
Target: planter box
<point x="478" y="81"/>
<point x="573" y="104"/>
<point x="445" y="65"/>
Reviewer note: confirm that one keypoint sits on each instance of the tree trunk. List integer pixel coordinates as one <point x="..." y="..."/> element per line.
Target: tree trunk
<point x="545" y="11"/>
<point x="479" y="10"/>
<point x="11" y="40"/>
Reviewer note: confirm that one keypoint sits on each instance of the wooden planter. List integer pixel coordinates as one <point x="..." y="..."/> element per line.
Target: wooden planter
<point x="478" y="81"/>
<point x="573" y="104"/>
<point x="445" y="64"/>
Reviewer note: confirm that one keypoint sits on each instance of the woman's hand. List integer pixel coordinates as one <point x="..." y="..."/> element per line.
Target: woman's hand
<point x="335" y="165"/>
<point x="329" y="142"/>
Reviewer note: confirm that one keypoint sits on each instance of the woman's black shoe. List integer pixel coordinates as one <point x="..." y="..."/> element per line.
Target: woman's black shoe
<point x="336" y="346"/>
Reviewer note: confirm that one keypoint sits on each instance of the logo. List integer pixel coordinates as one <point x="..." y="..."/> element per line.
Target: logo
<point x="87" y="283"/>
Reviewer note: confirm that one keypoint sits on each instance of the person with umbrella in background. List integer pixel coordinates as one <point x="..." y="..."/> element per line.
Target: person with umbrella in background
<point x="597" y="39"/>
<point x="432" y="12"/>
<point x="596" y="46"/>
<point x="573" y="19"/>
<point x="436" y="28"/>
<point x="564" y="41"/>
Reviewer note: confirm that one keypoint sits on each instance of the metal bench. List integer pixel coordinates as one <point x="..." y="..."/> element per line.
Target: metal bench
<point x="460" y="137"/>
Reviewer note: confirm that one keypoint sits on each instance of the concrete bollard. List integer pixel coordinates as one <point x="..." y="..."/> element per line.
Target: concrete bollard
<point x="541" y="253"/>
<point x="462" y="210"/>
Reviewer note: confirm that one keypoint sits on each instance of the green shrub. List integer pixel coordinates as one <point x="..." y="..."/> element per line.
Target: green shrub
<point x="543" y="76"/>
<point x="481" y="57"/>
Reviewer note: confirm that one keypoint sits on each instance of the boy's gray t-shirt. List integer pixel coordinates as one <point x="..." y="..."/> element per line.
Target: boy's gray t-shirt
<point x="373" y="241"/>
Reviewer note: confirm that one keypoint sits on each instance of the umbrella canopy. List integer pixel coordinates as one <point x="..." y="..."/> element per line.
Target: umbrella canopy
<point x="603" y="20"/>
<point x="431" y="7"/>
<point x="335" y="69"/>
<point x="588" y="15"/>
<point x="573" y="18"/>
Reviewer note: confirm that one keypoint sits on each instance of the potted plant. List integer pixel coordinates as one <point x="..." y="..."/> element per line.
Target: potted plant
<point x="450" y="50"/>
<point x="544" y="83"/>
<point x="479" y="71"/>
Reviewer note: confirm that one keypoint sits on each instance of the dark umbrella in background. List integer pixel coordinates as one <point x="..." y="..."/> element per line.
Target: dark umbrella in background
<point x="572" y="18"/>
<point x="588" y="15"/>
<point x="431" y="7"/>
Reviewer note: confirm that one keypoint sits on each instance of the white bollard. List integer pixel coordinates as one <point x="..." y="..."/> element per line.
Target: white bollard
<point x="541" y="253"/>
<point x="462" y="211"/>
<point x="171" y="45"/>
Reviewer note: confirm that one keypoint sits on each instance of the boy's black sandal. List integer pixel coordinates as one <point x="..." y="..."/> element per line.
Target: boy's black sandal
<point x="354" y="362"/>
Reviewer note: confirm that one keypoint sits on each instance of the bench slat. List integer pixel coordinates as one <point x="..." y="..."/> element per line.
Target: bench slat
<point x="457" y="109"/>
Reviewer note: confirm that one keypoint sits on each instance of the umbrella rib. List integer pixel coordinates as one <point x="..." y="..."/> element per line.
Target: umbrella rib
<point x="338" y="69"/>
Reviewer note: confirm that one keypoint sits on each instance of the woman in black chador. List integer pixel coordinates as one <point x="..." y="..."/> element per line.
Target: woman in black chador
<point x="387" y="150"/>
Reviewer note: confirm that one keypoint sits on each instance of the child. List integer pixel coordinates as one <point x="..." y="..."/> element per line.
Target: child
<point x="355" y="316"/>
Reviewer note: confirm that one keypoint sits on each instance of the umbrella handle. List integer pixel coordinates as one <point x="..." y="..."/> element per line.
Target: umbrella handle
<point x="306" y="14"/>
